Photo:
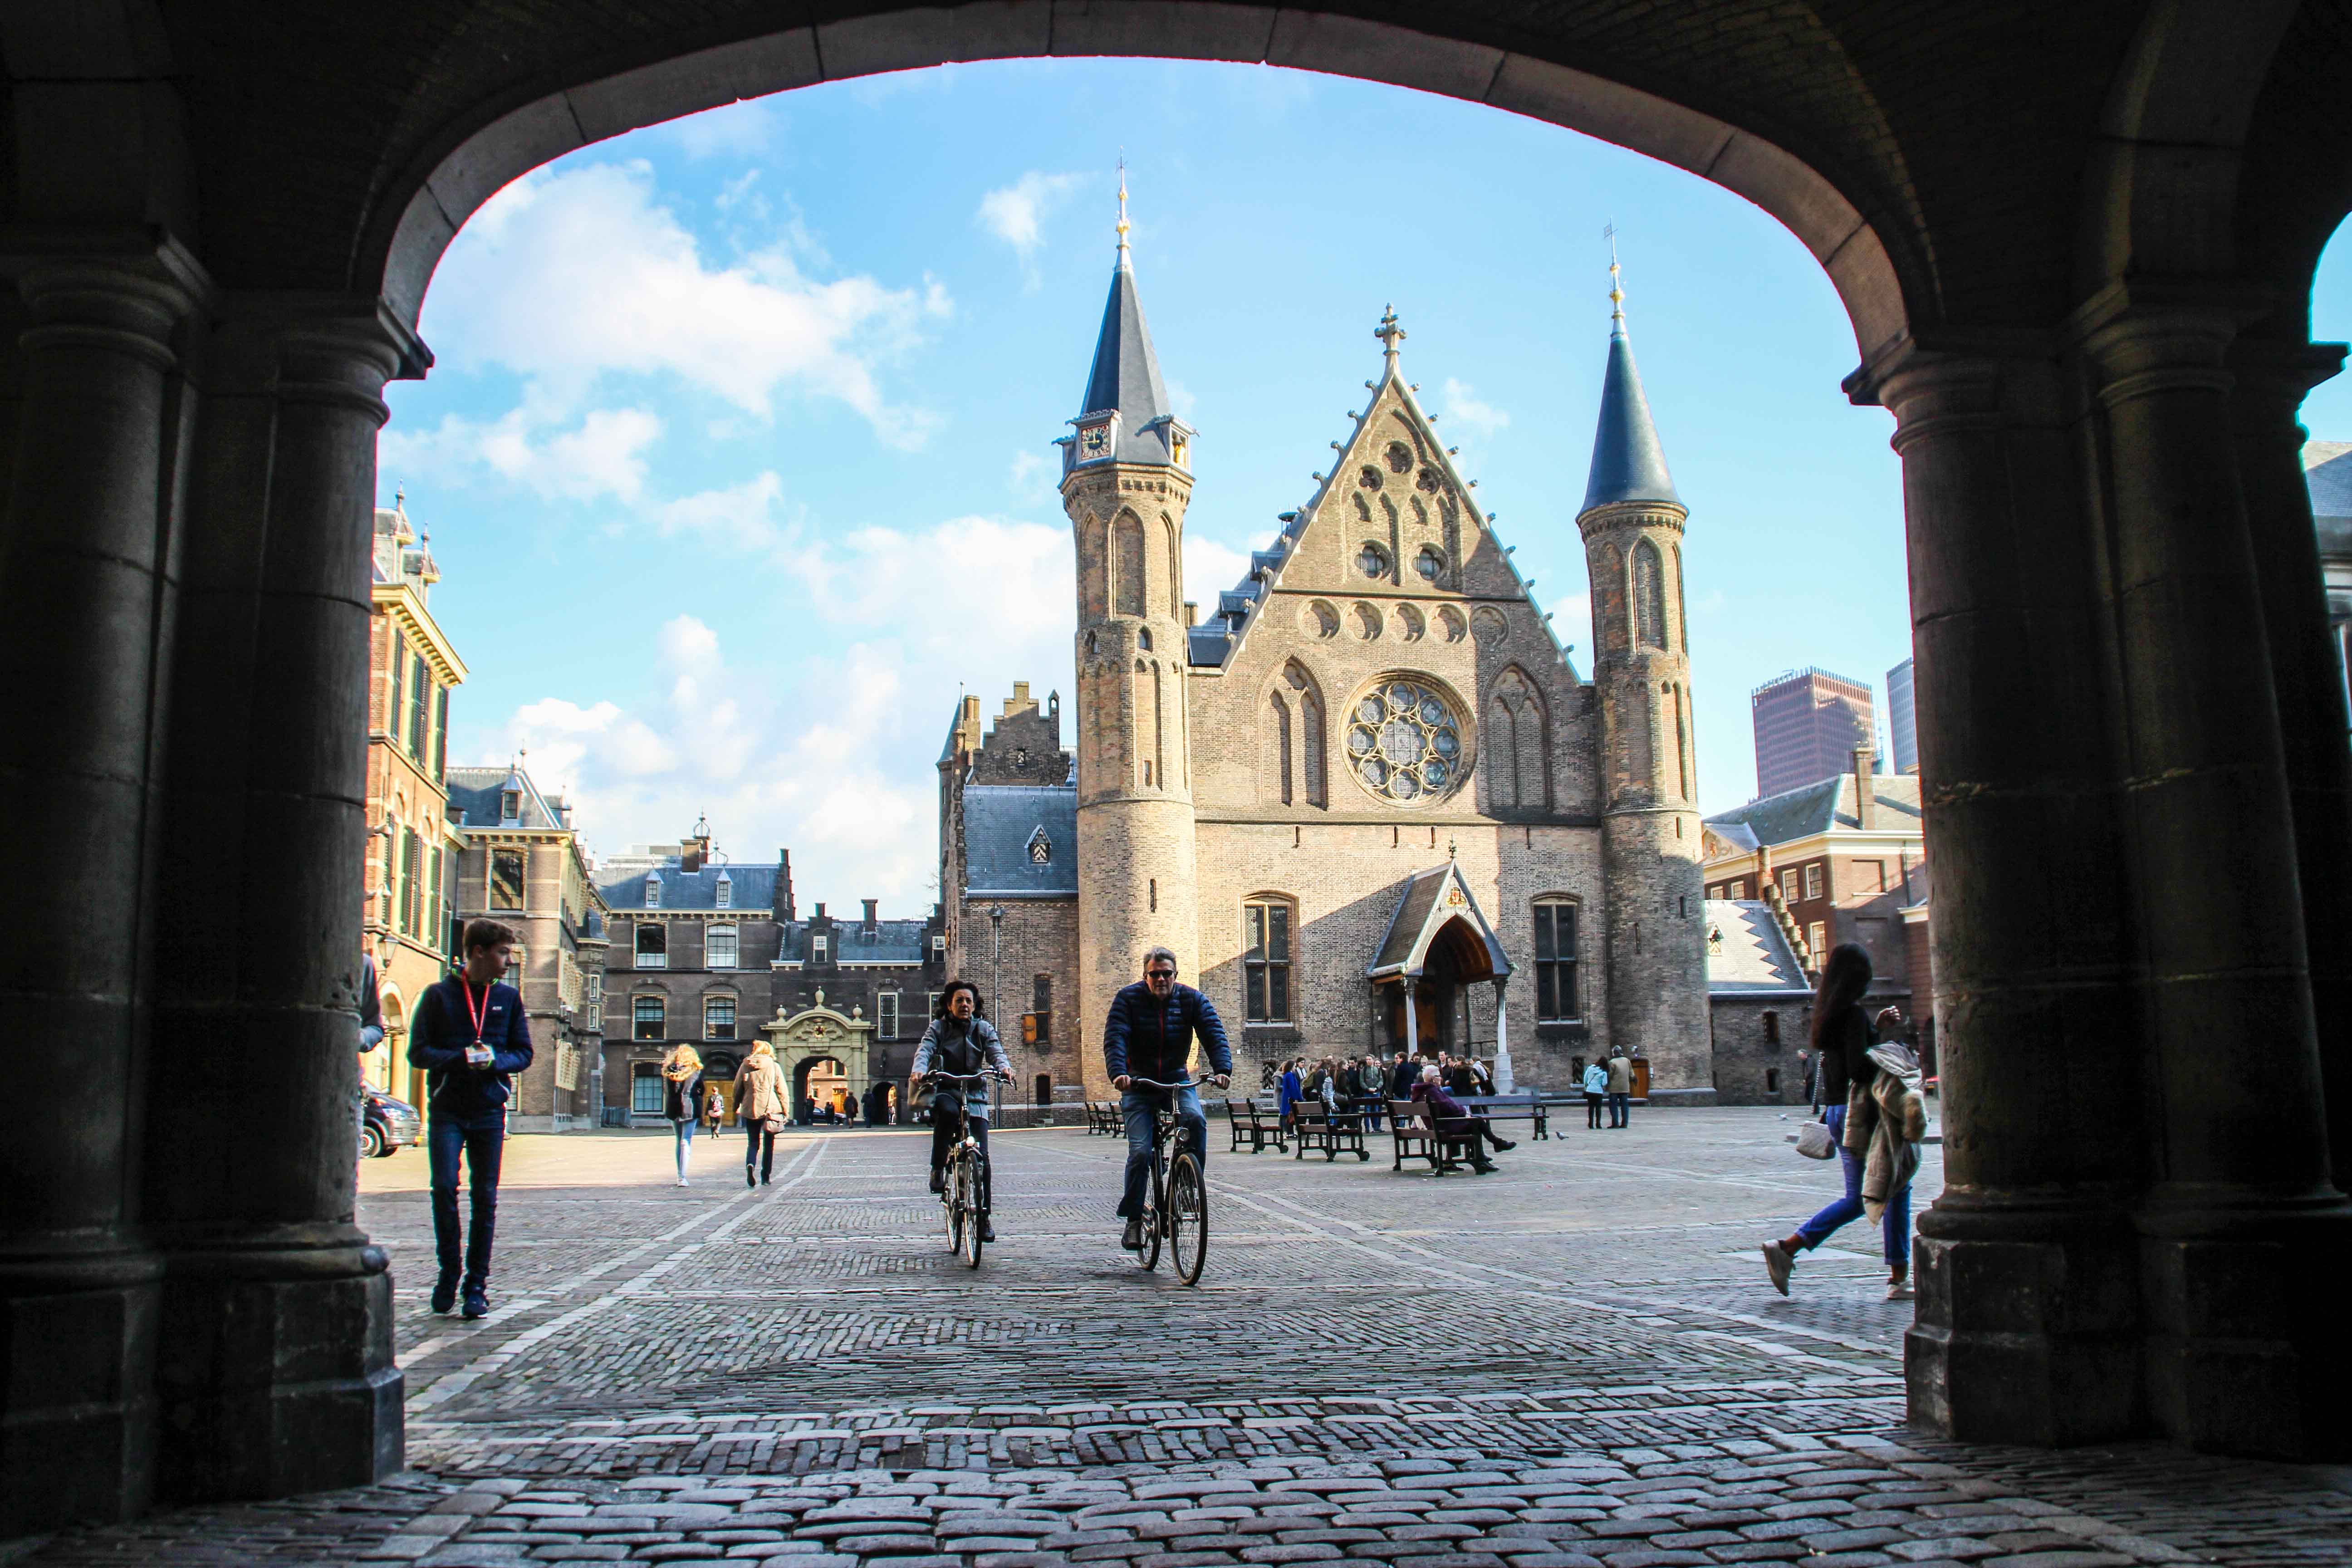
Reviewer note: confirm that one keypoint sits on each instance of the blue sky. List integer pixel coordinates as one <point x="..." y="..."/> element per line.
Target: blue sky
<point x="735" y="458"/>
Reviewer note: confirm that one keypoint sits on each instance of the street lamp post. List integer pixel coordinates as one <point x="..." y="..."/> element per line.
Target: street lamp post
<point x="997" y="968"/>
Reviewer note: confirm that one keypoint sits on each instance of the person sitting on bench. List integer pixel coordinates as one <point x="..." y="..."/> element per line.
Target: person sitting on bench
<point x="1449" y="1116"/>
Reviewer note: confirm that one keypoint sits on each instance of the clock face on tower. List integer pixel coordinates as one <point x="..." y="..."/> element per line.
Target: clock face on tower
<point x="1094" y="441"/>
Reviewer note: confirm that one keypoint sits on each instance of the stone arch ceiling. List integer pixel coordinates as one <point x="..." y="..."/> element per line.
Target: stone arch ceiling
<point x="1959" y="132"/>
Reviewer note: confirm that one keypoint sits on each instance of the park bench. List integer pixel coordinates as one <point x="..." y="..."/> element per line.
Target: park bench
<point x="1102" y="1117"/>
<point x="1533" y="1108"/>
<point x="1417" y="1138"/>
<point x="1255" y="1125"/>
<point x="1336" y="1132"/>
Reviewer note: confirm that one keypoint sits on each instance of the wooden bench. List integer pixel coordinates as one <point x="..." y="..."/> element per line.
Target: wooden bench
<point x="1255" y="1125"/>
<point x="1417" y="1138"/>
<point x="1102" y="1117"/>
<point x="1336" y="1132"/>
<point x="1533" y="1108"/>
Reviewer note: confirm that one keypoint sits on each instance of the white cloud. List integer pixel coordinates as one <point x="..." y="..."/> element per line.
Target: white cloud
<point x="1016" y="214"/>
<point x="734" y="130"/>
<point x="743" y="516"/>
<point x="566" y="277"/>
<point x="605" y="453"/>
<point x="1464" y="412"/>
<point x="1210" y="568"/>
<point x="1032" y="477"/>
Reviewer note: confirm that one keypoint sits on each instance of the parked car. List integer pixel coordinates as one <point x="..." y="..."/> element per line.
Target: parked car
<point x="390" y="1124"/>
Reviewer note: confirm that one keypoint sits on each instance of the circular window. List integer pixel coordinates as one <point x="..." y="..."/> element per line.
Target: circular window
<point x="1429" y="563"/>
<point x="1404" y="741"/>
<point x="1373" y="560"/>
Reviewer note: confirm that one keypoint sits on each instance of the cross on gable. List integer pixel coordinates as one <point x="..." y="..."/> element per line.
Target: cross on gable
<point x="1389" y="332"/>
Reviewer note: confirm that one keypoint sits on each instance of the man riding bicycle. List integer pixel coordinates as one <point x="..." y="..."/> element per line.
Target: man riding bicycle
<point x="961" y="1044"/>
<point x="1148" y="1034"/>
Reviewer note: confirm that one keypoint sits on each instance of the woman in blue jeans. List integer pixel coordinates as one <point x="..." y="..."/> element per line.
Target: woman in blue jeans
<point x="1842" y="1038"/>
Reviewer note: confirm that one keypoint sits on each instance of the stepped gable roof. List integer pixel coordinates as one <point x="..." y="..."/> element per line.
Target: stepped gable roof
<point x="1812" y="809"/>
<point x="1629" y="464"/>
<point x="475" y="796"/>
<point x="1747" y="952"/>
<point x="751" y="890"/>
<point x="1001" y="823"/>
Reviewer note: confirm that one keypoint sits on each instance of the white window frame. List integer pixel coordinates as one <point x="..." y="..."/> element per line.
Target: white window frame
<point x="653" y="892"/>
<point x="817" y="948"/>
<point x="1817" y="936"/>
<point x="1813" y="881"/>
<point x="734" y="1016"/>
<point x="725" y="897"/>
<point x="711" y="935"/>
<point x="1789" y="885"/>
<point x="642" y="959"/>
<point x="885" y="1015"/>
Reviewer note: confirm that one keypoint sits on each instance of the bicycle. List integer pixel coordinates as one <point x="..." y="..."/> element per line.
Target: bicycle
<point x="963" y="1196"/>
<point x="1176" y="1199"/>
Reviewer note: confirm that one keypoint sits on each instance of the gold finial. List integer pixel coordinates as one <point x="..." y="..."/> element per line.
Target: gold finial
<point x="1122" y="201"/>
<point x="1616" y="284"/>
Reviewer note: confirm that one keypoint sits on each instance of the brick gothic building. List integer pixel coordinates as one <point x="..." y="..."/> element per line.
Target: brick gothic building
<point x="715" y="953"/>
<point x="1370" y="802"/>
<point x="524" y="866"/>
<point x="411" y="845"/>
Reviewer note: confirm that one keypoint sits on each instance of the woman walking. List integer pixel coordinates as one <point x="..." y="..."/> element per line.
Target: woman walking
<point x="1596" y="1084"/>
<point x="760" y="1108"/>
<point x="1874" y="1118"/>
<point x="682" y="1101"/>
<point x="1290" y="1092"/>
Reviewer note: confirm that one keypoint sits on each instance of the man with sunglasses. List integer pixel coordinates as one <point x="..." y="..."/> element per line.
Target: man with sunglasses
<point x="1149" y="1035"/>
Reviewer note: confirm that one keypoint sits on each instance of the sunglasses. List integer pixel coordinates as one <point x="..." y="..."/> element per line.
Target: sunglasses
<point x="1159" y="975"/>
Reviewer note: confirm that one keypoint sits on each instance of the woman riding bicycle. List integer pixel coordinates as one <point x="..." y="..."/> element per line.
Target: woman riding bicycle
<point x="962" y="1043"/>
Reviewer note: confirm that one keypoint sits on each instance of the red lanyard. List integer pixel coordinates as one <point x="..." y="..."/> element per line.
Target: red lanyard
<point x="480" y="1013"/>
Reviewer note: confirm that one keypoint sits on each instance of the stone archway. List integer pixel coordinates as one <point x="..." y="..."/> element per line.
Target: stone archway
<point x="817" y="1035"/>
<point x="220" y="241"/>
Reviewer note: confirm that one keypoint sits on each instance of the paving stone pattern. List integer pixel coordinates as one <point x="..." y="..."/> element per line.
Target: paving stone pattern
<point x="1573" y="1362"/>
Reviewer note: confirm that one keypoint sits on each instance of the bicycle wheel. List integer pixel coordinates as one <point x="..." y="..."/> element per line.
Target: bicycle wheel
<point x="1149" y="1255"/>
<point x="1188" y="1217"/>
<point x="949" y="1208"/>
<point x="967" y="1188"/>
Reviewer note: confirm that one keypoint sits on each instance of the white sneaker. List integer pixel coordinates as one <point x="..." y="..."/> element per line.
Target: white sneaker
<point x="682" y="1182"/>
<point x="1900" y="1289"/>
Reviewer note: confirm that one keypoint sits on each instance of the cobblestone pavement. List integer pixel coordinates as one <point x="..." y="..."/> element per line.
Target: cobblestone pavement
<point x="1575" y="1360"/>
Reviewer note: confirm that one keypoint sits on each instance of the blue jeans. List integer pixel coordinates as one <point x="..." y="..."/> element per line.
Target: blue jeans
<point x="481" y="1141"/>
<point x="1139" y="1108"/>
<point x="1895" y="1225"/>
<point x="685" y="1145"/>
<point x="1621" y="1109"/>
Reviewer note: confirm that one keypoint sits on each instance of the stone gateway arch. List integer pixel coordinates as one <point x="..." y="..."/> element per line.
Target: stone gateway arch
<point x="2075" y="245"/>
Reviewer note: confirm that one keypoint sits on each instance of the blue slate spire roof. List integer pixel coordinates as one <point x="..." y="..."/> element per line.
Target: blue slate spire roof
<point x="1125" y="377"/>
<point x="1628" y="463"/>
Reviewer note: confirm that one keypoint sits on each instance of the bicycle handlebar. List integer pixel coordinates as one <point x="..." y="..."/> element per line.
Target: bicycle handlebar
<point x="971" y="1076"/>
<point x="1134" y="1082"/>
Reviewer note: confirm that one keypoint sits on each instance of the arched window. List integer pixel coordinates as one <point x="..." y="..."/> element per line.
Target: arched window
<point x="1267" y="922"/>
<point x="1649" y="597"/>
<point x="1682" y="600"/>
<point x="1127" y="565"/>
<point x="1681" y="744"/>
<point x="1557" y="998"/>
<point x="1310" y="725"/>
<point x="718" y="1017"/>
<point x="1277" y="751"/>
<point x="1517" y="753"/>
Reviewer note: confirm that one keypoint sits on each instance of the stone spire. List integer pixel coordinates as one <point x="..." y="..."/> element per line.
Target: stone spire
<point x="1628" y="463"/>
<point x="1125" y="378"/>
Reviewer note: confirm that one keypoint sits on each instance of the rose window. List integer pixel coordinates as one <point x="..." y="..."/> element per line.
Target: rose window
<point x="1404" y="741"/>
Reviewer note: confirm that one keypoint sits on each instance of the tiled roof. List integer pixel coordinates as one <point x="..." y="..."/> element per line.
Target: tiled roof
<point x="1628" y="462"/>
<point x="1419" y="914"/>
<point x="1746" y="951"/>
<point x="1814" y="808"/>
<point x="890" y="942"/>
<point x="999" y="823"/>
<point x="474" y="798"/>
<point x="1125" y="375"/>
<point x="748" y="887"/>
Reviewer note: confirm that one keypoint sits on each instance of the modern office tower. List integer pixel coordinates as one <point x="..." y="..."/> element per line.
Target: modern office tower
<point x="1902" y="728"/>
<point x="1808" y="723"/>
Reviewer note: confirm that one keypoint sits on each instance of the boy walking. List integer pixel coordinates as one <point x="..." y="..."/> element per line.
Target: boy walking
<point x="470" y="1037"/>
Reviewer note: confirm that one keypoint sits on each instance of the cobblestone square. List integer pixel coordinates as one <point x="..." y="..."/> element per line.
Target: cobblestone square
<point x="1575" y="1360"/>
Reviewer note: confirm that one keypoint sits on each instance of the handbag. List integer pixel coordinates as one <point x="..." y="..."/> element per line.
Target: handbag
<point x="1813" y="1141"/>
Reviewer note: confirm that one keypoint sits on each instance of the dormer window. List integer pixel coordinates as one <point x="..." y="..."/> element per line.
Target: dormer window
<point x="1041" y="849"/>
<point x="817" y="947"/>
<point x="726" y="895"/>
<point x="510" y="806"/>
<point x="653" y="892"/>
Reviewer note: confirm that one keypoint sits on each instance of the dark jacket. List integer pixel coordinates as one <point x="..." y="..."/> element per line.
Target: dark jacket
<point x="1402" y="1078"/>
<point x="441" y="1029"/>
<point x="1446" y="1113"/>
<point x="682" y="1097"/>
<point x="370" y="1008"/>
<point x="1142" y="1039"/>
<point x="1845" y="1063"/>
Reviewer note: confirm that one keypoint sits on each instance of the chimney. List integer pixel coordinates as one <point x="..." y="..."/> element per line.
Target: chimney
<point x="870" y="915"/>
<point x="820" y="909"/>
<point x="784" y="910"/>
<point x="1192" y="612"/>
<point x="1865" y="799"/>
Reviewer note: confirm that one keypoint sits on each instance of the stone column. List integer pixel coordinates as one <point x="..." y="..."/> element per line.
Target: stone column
<point x="1502" y="1037"/>
<point x="277" y="1374"/>
<point x="2242" y="1206"/>
<point x="2026" y="1267"/>
<point x="85" y="601"/>
<point x="2272" y="379"/>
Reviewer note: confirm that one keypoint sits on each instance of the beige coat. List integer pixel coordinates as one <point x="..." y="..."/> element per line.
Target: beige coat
<point x="1885" y="1124"/>
<point x="759" y="1089"/>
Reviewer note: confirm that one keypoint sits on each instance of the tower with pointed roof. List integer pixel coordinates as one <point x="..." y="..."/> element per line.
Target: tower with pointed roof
<point x="1633" y="522"/>
<point x="1126" y="481"/>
